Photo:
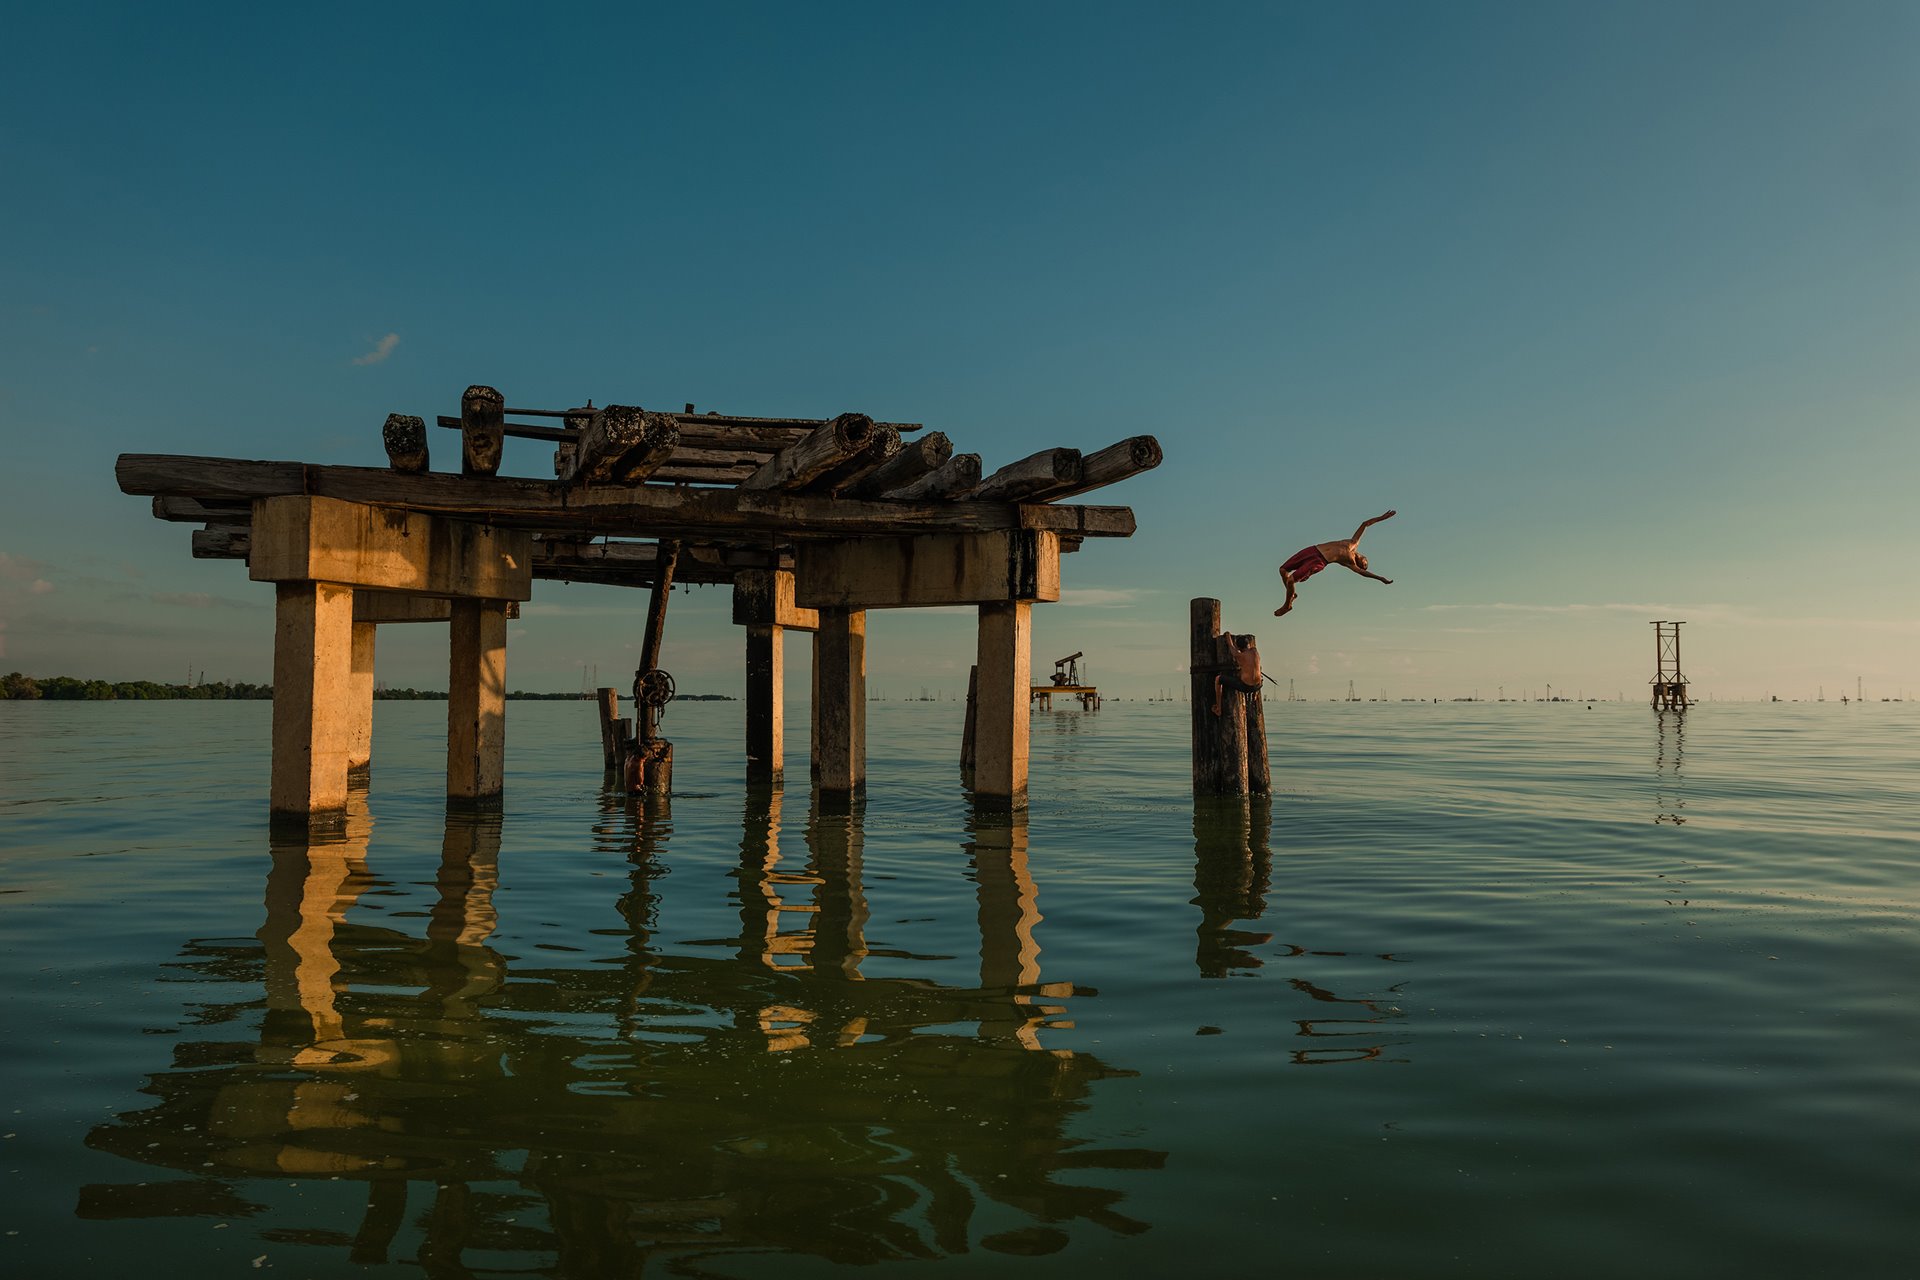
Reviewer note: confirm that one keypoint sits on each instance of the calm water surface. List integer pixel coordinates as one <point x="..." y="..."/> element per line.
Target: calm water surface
<point x="1488" y="989"/>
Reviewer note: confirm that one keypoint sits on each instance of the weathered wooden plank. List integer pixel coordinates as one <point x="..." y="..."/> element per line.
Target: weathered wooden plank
<point x="622" y="444"/>
<point x="957" y="477"/>
<point x="642" y="510"/>
<point x="193" y="511"/>
<point x="915" y="459"/>
<point x="482" y="430"/>
<point x="222" y="542"/>
<point x="804" y="461"/>
<point x="1034" y="474"/>
<point x="1107" y="466"/>
<point x="405" y="438"/>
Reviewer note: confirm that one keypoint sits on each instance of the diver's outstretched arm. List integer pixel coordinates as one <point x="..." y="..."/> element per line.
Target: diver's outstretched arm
<point x="1365" y="523"/>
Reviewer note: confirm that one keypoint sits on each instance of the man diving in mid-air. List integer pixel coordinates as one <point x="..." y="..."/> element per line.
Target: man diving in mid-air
<point x="1307" y="561"/>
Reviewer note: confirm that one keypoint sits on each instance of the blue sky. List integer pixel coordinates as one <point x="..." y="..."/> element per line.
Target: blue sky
<point x="1619" y="305"/>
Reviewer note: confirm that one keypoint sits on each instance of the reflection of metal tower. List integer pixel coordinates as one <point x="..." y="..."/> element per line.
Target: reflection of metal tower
<point x="1669" y="686"/>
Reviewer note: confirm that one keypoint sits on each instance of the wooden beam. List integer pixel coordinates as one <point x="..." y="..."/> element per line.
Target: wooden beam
<point x="956" y="478"/>
<point x="1033" y="474"/>
<point x="806" y="460"/>
<point x="327" y="540"/>
<point x="644" y="510"/>
<point x="1108" y="466"/>
<point x="193" y="511"/>
<point x="482" y="430"/>
<point x="405" y="437"/>
<point x="929" y="570"/>
<point x="622" y="444"/>
<point x="222" y="542"/>
<point x="916" y="459"/>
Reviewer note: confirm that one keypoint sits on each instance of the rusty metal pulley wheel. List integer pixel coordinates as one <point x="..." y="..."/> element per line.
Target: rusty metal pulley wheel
<point x="653" y="688"/>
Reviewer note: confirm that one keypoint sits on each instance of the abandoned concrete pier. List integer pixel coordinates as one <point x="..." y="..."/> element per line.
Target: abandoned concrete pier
<point x="812" y="522"/>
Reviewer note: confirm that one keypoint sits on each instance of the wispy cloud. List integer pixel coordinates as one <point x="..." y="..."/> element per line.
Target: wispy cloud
<point x="201" y="600"/>
<point x="1102" y="597"/>
<point x="381" y="350"/>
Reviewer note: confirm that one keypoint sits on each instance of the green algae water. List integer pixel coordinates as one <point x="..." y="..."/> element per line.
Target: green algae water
<point x="1484" y="990"/>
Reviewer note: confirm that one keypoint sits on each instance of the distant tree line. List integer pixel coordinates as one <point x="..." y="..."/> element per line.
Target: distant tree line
<point x="71" y="689"/>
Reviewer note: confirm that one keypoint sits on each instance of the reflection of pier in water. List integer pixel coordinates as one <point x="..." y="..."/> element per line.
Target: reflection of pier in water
<point x="1669" y="755"/>
<point x="1232" y="876"/>
<point x="589" y="1119"/>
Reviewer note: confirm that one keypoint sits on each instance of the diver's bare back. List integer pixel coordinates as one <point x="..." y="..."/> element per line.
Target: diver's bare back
<point x="1307" y="561"/>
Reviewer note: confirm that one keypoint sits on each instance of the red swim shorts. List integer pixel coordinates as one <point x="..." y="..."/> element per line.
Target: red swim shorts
<point x="1303" y="564"/>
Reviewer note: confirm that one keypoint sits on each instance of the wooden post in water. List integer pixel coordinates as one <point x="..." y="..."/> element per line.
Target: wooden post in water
<point x="971" y="729"/>
<point x="609" y="700"/>
<point x="1229" y="749"/>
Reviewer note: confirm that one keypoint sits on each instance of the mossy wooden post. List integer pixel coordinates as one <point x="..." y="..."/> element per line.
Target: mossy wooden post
<point x="1219" y="741"/>
<point x="609" y="700"/>
<point x="477" y="703"/>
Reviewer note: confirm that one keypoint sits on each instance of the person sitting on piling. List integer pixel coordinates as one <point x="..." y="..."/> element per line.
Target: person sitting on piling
<point x="1307" y="561"/>
<point x="1245" y="676"/>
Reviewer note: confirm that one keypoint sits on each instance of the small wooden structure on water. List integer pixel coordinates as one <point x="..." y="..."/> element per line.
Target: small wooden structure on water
<point x="1066" y="680"/>
<point x="812" y="522"/>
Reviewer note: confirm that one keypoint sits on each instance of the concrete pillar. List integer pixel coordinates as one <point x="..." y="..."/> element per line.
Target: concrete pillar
<point x="360" y="698"/>
<point x="766" y="699"/>
<point x="477" y="701"/>
<point x="1001" y="719"/>
<point x="312" y="643"/>
<point x="840" y="700"/>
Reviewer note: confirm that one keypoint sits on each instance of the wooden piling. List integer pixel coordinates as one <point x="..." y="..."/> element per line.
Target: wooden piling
<point x="609" y="700"/>
<point x="1225" y="761"/>
<point x="766" y="716"/>
<point x="969" y="732"/>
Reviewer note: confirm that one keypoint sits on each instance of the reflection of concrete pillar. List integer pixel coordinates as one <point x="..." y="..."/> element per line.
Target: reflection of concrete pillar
<point x="835" y="839"/>
<point x="1004" y="687"/>
<point x="310" y="885"/>
<point x="360" y="698"/>
<point x="312" y="640"/>
<point x="840" y="701"/>
<point x="766" y="709"/>
<point x="466" y="970"/>
<point x="477" y="700"/>
<point x="1009" y="910"/>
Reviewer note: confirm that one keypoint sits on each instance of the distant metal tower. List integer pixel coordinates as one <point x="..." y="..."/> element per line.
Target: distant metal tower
<point x="1669" y="686"/>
